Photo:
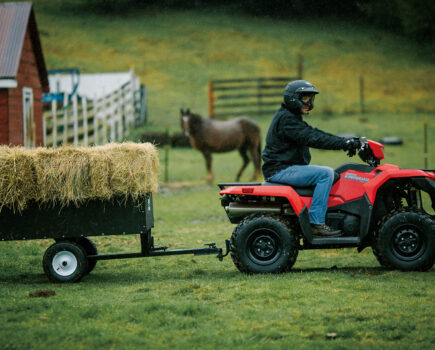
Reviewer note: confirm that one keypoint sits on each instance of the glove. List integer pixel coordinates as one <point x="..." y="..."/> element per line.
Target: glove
<point x="351" y="145"/>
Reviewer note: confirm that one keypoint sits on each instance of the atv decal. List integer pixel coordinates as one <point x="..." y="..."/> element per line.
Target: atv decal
<point x="355" y="177"/>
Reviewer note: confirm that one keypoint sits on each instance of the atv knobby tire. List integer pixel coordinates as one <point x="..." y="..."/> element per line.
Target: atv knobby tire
<point x="263" y="244"/>
<point x="406" y="241"/>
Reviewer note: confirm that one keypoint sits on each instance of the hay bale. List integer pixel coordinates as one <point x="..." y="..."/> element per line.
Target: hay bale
<point x="73" y="175"/>
<point x="17" y="178"/>
<point x="62" y="175"/>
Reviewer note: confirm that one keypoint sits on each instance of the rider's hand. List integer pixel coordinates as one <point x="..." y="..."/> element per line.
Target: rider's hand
<point x="351" y="145"/>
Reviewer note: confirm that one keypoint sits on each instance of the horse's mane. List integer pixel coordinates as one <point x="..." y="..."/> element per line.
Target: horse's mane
<point x="195" y="122"/>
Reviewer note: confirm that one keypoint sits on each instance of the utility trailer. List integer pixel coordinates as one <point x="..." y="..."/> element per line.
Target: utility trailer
<point x="74" y="255"/>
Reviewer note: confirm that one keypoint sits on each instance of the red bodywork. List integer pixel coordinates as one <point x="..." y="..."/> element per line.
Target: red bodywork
<point x="351" y="186"/>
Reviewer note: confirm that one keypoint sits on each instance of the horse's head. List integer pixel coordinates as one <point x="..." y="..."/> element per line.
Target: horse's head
<point x="185" y="121"/>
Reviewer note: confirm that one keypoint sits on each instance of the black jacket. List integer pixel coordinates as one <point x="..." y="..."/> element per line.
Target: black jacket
<point x="288" y="139"/>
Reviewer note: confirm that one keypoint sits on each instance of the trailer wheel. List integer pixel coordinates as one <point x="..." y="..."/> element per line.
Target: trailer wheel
<point x="263" y="244"/>
<point x="406" y="241"/>
<point x="65" y="262"/>
<point x="90" y="249"/>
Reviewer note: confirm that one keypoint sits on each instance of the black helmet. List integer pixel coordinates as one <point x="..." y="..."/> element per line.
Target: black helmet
<point x="294" y="91"/>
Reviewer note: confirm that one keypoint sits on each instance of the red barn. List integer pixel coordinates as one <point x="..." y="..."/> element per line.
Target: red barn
<point x="23" y="76"/>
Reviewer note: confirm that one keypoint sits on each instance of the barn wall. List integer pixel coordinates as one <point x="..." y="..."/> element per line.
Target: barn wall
<point x="28" y="76"/>
<point x="4" y="117"/>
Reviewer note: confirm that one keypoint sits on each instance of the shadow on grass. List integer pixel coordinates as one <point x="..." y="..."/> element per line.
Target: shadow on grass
<point x="132" y="276"/>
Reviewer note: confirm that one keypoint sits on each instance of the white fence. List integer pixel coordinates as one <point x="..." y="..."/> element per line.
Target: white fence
<point x="82" y="121"/>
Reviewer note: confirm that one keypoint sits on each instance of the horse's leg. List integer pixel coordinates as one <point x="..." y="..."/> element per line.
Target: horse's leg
<point x="209" y="177"/>
<point x="255" y="152"/>
<point x="245" y="158"/>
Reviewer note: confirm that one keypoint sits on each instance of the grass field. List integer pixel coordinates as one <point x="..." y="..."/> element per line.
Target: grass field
<point x="191" y="302"/>
<point x="198" y="302"/>
<point x="176" y="54"/>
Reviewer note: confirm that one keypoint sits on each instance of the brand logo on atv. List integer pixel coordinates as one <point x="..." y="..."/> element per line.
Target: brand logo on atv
<point x="355" y="177"/>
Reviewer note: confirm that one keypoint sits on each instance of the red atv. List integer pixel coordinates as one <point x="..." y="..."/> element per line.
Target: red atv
<point x="373" y="205"/>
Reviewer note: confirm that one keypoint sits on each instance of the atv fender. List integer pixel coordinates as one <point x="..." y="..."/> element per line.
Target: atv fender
<point x="287" y="192"/>
<point x="389" y="171"/>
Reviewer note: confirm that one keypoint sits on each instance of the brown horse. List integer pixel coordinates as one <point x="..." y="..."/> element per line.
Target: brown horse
<point x="208" y="135"/>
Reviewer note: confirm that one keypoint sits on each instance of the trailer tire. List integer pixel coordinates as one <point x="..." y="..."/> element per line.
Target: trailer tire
<point x="263" y="244"/>
<point x="90" y="249"/>
<point x="65" y="262"/>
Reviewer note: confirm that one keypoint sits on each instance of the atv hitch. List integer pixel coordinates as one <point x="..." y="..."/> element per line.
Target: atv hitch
<point x="227" y="250"/>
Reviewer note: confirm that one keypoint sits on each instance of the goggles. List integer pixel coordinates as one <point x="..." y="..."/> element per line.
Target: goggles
<point x="307" y="99"/>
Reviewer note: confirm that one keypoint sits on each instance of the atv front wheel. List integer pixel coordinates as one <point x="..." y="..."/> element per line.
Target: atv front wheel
<point x="406" y="241"/>
<point x="263" y="244"/>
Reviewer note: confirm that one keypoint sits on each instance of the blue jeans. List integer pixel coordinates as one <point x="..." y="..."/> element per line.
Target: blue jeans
<point x="310" y="175"/>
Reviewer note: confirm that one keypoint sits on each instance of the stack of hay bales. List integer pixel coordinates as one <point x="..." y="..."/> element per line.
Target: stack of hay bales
<point x="67" y="175"/>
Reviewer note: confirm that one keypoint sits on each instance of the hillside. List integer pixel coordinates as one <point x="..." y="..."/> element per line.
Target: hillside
<point x="177" y="53"/>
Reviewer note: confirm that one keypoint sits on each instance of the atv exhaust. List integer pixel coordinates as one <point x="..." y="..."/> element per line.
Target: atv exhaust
<point x="235" y="209"/>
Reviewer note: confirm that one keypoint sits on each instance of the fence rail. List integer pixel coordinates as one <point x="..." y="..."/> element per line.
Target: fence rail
<point x="253" y="96"/>
<point x="84" y="121"/>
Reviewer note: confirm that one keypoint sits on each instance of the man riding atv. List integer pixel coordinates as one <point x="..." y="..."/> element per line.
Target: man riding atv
<point x="286" y="155"/>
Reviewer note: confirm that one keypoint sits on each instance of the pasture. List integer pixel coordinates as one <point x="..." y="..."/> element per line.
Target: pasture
<point x="332" y="299"/>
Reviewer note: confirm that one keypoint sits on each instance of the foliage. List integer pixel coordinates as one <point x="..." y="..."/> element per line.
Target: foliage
<point x="411" y="17"/>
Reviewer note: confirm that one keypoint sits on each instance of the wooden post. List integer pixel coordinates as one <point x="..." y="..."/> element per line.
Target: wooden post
<point x="95" y="111"/>
<point x="300" y="65"/>
<point x="259" y="96"/>
<point x="426" y="165"/>
<point x="361" y="93"/>
<point x="210" y="100"/>
<point x="54" y="115"/>
<point x="75" y="120"/>
<point x="85" y="120"/>
<point x="65" y="119"/>
<point x="167" y="155"/>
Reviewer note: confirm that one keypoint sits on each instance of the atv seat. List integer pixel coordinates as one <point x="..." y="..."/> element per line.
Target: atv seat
<point x="302" y="191"/>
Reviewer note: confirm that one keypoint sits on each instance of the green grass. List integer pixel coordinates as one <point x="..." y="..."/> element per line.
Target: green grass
<point x="176" y="54"/>
<point x="198" y="302"/>
<point x="191" y="302"/>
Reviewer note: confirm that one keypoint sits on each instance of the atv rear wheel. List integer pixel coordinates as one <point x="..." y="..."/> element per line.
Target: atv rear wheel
<point x="263" y="244"/>
<point x="406" y="241"/>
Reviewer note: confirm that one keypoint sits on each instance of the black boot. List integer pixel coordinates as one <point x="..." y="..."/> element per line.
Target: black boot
<point x="322" y="230"/>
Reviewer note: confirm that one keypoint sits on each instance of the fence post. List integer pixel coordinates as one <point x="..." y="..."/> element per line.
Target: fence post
<point x="426" y="165"/>
<point x="167" y="154"/>
<point x="95" y="104"/>
<point x="54" y="116"/>
<point x="143" y="106"/>
<point x="259" y="96"/>
<point x="65" y="118"/>
<point x="210" y="100"/>
<point x="85" y="120"/>
<point x="361" y="93"/>
<point x="76" y="120"/>
<point x="300" y="65"/>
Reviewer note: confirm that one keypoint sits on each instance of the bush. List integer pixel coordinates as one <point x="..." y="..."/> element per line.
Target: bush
<point x="162" y="139"/>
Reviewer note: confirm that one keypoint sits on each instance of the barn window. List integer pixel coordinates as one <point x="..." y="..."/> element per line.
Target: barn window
<point x="28" y="120"/>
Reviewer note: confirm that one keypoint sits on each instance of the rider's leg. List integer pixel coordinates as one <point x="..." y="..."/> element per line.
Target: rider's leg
<point x="311" y="175"/>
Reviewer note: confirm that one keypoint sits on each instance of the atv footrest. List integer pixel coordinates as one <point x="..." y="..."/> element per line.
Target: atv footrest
<point x="336" y="240"/>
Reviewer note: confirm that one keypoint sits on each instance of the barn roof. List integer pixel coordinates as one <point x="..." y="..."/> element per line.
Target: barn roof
<point x="15" y="19"/>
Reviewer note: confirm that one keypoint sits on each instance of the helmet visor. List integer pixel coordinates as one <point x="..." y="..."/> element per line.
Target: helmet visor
<point x="307" y="99"/>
